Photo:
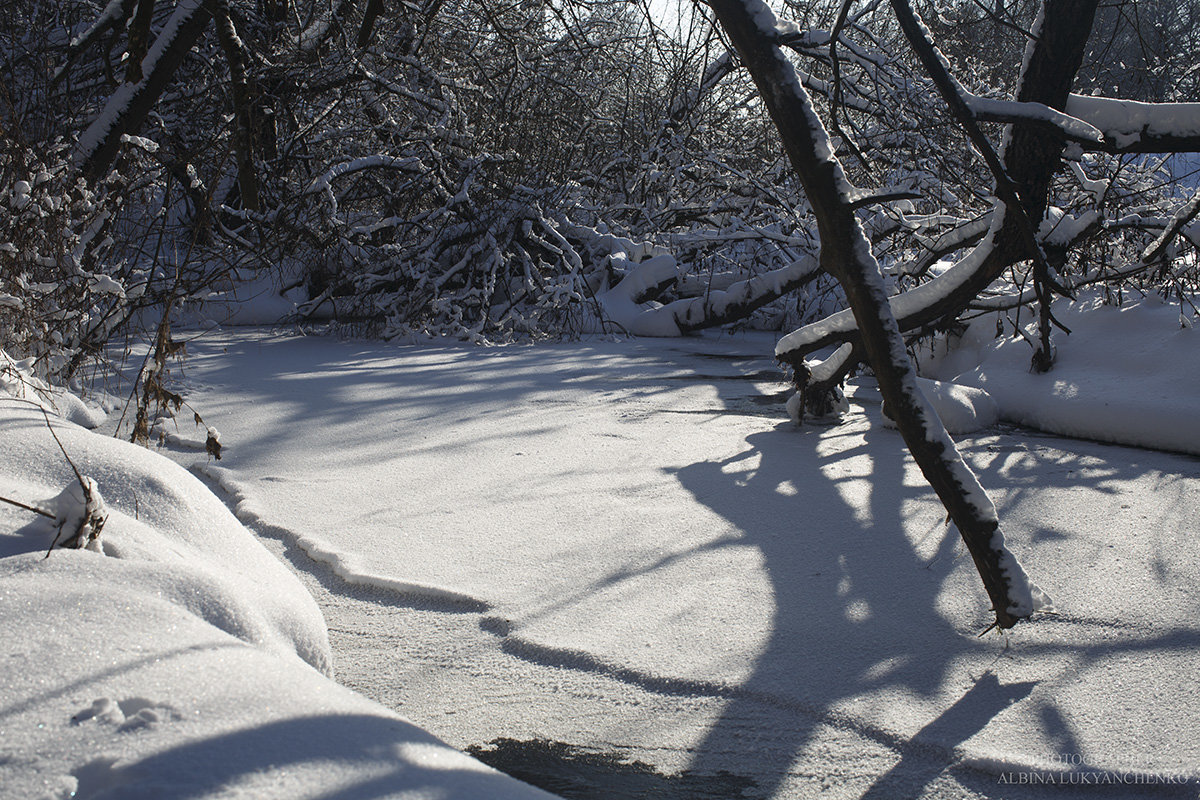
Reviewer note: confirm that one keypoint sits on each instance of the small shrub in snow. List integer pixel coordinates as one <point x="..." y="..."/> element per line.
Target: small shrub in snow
<point x="79" y="515"/>
<point x="212" y="444"/>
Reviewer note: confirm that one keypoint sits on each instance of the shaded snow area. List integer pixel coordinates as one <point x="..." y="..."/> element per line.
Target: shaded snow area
<point x="618" y="566"/>
<point x="1128" y="374"/>
<point x="181" y="660"/>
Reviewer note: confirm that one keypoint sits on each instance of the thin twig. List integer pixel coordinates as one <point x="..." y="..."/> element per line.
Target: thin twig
<point x="34" y="509"/>
<point x="87" y="495"/>
<point x="74" y="468"/>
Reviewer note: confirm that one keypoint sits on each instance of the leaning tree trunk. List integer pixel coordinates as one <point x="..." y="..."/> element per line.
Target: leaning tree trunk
<point x="846" y="254"/>
<point x="129" y="106"/>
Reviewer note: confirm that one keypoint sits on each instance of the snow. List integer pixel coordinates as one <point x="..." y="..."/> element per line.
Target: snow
<point x="644" y="557"/>
<point x="149" y="145"/>
<point x="1059" y="228"/>
<point x="825" y="369"/>
<point x="962" y="409"/>
<point x="1126" y="375"/>
<point x="323" y="182"/>
<point x="1125" y="121"/>
<point x="79" y="514"/>
<point x="622" y="303"/>
<point x="103" y="284"/>
<point x="257" y="299"/>
<point x="1037" y="112"/>
<point x="715" y="301"/>
<point x="615" y="545"/>
<point x="17" y="380"/>
<point x="177" y="657"/>
<point x="110" y="14"/>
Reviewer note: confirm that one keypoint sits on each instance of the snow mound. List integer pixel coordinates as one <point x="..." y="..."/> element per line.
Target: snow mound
<point x="161" y="515"/>
<point x="1128" y="375"/>
<point x="17" y="380"/>
<point x="962" y="409"/>
<point x="79" y="514"/>
<point x="182" y="659"/>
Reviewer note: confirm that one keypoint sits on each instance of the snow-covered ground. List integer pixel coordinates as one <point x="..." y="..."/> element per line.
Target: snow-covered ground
<point x="181" y="660"/>
<point x="622" y="550"/>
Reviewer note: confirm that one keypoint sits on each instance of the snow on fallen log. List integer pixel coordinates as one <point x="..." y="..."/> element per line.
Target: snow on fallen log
<point x="906" y="304"/>
<point x="624" y="304"/>
<point x="740" y="298"/>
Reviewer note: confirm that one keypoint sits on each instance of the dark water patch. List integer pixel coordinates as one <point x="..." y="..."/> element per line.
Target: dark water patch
<point x="579" y="774"/>
<point x="775" y="398"/>
<point x="757" y="375"/>
<point x="727" y="356"/>
<point x="753" y="405"/>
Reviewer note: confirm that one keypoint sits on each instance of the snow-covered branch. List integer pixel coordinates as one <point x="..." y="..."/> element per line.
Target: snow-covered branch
<point x="128" y="107"/>
<point x="1129" y="126"/>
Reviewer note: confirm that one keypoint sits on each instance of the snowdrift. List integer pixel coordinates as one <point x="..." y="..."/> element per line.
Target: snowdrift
<point x="183" y="660"/>
<point x="1128" y="375"/>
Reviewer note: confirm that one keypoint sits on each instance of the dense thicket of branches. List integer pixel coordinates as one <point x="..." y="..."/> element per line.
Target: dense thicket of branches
<point x="493" y="169"/>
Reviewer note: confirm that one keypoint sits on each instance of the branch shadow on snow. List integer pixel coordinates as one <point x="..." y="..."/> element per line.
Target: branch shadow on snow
<point x="331" y="385"/>
<point x="857" y="611"/>
<point x="854" y="610"/>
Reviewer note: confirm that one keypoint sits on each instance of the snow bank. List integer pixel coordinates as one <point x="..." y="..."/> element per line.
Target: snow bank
<point x="17" y="380"/>
<point x="962" y="409"/>
<point x="1129" y="375"/>
<point x="181" y="661"/>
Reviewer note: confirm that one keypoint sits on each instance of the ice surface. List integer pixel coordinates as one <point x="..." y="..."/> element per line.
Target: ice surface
<point x="625" y="510"/>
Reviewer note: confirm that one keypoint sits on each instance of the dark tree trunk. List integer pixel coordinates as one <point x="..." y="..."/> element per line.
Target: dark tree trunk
<point x="846" y="254"/>
<point x="127" y="110"/>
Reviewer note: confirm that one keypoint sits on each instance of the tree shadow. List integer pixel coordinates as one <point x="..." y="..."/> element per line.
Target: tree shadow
<point x="858" y="617"/>
<point x="855" y="611"/>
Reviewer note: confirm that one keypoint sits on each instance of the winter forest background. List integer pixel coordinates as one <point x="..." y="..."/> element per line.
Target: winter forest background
<point x="871" y="187"/>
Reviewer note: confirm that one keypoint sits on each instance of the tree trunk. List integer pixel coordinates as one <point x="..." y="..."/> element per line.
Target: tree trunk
<point x="846" y="254"/>
<point x="127" y="109"/>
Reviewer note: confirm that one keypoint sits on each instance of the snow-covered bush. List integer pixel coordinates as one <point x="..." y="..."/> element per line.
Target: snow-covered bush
<point x="64" y="283"/>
